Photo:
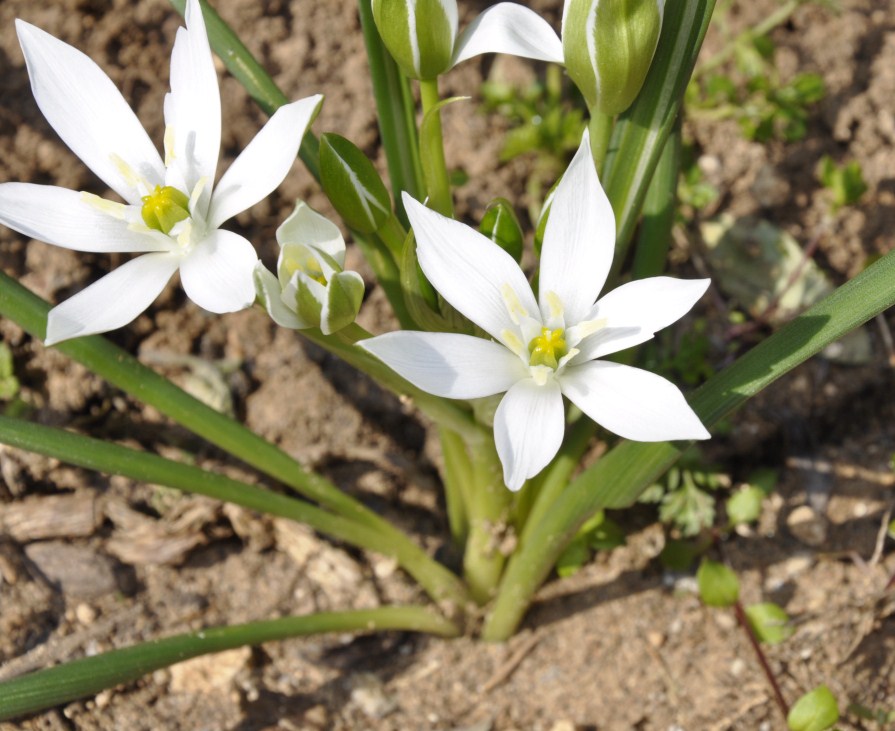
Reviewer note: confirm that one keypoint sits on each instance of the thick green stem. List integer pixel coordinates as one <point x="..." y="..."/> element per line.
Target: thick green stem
<point x="457" y="483"/>
<point x="438" y="184"/>
<point x="489" y="504"/>
<point x="388" y="276"/>
<point x="88" y="675"/>
<point x="623" y="473"/>
<point x="600" y="130"/>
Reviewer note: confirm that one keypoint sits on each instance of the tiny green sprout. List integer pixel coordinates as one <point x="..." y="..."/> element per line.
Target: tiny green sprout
<point x="744" y="506"/>
<point x="814" y="711"/>
<point x="846" y="182"/>
<point x="501" y="226"/>
<point x="718" y="584"/>
<point x="769" y="622"/>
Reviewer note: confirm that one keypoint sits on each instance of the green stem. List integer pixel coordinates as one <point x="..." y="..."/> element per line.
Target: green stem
<point x="95" y="454"/>
<point x="124" y="371"/>
<point x="87" y="676"/>
<point x="623" y="473"/>
<point x="393" y="235"/>
<point x="438" y="185"/>
<point x="388" y="276"/>
<point x="457" y="483"/>
<point x="396" y="113"/>
<point x="489" y="504"/>
<point x="555" y="477"/>
<point x="600" y="130"/>
<point x="659" y="208"/>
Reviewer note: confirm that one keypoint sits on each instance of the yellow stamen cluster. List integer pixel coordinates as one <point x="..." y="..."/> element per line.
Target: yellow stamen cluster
<point x="548" y="348"/>
<point x="299" y="258"/>
<point x="165" y="207"/>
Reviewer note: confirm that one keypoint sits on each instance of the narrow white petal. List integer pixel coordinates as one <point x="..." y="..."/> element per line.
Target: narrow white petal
<point x="448" y="364"/>
<point x="82" y="104"/>
<point x="637" y="310"/>
<point x="528" y="429"/>
<point x="469" y="270"/>
<point x="509" y="28"/>
<point x="631" y="402"/>
<point x="263" y="164"/>
<point x="66" y="218"/>
<point x="268" y="289"/>
<point x="218" y="273"/>
<point x="579" y="240"/>
<point x="114" y="300"/>
<point x="193" y="107"/>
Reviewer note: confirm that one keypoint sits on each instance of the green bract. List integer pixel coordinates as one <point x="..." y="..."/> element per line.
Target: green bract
<point x="608" y="46"/>
<point x="419" y="34"/>
<point x="501" y="226"/>
<point x="352" y="184"/>
<point x="310" y="289"/>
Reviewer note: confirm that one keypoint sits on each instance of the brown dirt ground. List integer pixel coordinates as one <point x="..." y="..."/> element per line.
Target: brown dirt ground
<point x="622" y="644"/>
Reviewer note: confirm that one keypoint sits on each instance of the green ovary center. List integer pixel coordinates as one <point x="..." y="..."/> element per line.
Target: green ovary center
<point x="548" y="348"/>
<point x="165" y="207"/>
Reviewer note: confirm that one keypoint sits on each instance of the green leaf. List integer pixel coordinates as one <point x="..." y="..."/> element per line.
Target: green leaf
<point x="744" y="506"/>
<point x="680" y="555"/>
<point x="690" y="508"/>
<point x="88" y="675"/>
<point x="501" y="226"/>
<point x="814" y="711"/>
<point x="769" y="622"/>
<point x="764" y="479"/>
<point x="9" y="384"/>
<point x="576" y="554"/>
<point x="718" y="584"/>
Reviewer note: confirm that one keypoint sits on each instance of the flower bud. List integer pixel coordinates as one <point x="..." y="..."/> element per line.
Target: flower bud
<point x="352" y="184"/>
<point x="608" y="46"/>
<point x="311" y="288"/>
<point x="501" y="226"/>
<point x="419" y="34"/>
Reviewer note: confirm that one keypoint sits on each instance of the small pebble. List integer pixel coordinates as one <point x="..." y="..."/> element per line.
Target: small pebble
<point x="806" y="526"/>
<point x="85" y="614"/>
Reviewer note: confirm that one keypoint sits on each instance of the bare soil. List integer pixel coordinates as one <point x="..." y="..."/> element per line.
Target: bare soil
<point x="621" y="645"/>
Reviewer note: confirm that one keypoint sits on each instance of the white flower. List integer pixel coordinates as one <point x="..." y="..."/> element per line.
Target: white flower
<point x="545" y="347"/>
<point x="311" y="288"/>
<point x="172" y="210"/>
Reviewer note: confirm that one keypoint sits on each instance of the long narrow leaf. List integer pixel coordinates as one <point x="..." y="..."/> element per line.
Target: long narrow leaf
<point x="89" y="675"/>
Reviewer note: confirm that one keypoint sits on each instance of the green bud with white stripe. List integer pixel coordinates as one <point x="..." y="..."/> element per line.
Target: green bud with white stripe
<point x="419" y="34"/>
<point x="501" y="226"/>
<point x="608" y="47"/>
<point x="352" y="184"/>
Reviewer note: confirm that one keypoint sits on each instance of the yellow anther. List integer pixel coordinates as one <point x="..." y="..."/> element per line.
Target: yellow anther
<point x="299" y="258"/>
<point x="547" y="348"/>
<point x="165" y="207"/>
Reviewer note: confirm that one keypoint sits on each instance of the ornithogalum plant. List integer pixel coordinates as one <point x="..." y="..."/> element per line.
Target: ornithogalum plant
<point x="519" y="369"/>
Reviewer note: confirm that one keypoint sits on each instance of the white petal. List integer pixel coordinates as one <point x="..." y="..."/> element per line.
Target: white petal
<point x="469" y="270"/>
<point x="306" y="226"/>
<point x="82" y="104"/>
<point x="528" y="429"/>
<point x="193" y="108"/>
<point x="268" y="289"/>
<point x="114" y="300"/>
<point x="218" y="273"/>
<point x="631" y="402"/>
<point x="66" y="218"/>
<point x="263" y="164"/>
<point x="513" y="29"/>
<point x="637" y="310"/>
<point x="448" y="364"/>
<point x="579" y="240"/>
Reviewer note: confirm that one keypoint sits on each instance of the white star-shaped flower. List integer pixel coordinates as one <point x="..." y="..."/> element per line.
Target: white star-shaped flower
<point x="172" y="209"/>
<point x="548" y="346"/>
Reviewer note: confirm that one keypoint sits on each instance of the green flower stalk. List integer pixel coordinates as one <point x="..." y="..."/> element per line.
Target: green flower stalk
<point x="311" y="288"/>
<point x="608" y="46"/>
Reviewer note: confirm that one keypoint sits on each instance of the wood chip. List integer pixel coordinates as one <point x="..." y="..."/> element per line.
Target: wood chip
<point x="51" y="516"/>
